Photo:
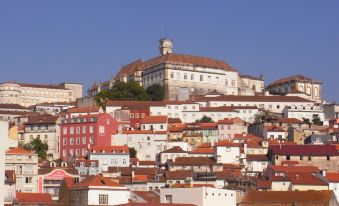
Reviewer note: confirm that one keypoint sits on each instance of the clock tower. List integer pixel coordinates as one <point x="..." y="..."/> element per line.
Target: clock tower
<point x="166" y="46"/>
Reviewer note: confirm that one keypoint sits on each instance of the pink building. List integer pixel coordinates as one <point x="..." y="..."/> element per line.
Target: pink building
<point x="80" y="133"/>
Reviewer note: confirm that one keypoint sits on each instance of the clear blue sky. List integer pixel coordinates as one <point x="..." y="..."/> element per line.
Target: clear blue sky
<point x="86" y="41"/>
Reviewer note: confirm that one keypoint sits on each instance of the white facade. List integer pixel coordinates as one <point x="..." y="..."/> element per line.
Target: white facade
<point x="25" y="166"/>
<point x="30" y="94"/>
<point x="154" y="126"/>
<point x="92" y="196"/>
<point x="148" y="145"/>
<point x="106" y="160"/>
<point x="334" y="186"/>
<point x="227" y="154"/>
<point x="306" y="112"/>
<point x="200" y="196"/>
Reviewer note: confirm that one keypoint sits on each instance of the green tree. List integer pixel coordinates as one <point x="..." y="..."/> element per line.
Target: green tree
<point x="37" y="146"/>
<point x="156" y="92"/>
<point x="122" y="91"/>
<point x="317" y="121"/>
<point x="132" y="152"/>
<point x="260" y="116"/>
<point x="205" y="119"/>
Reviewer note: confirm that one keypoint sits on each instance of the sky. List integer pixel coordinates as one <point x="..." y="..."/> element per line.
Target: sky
<point x="86" y="41"/>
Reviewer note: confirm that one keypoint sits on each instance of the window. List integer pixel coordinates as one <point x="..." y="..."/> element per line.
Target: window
<point x="28" y="180"/>
<point x="103" y="199"/>
<point x="77" y="152"/>
<point x="91" y="129"/>
<point x="71" y="141"/>
<point x="82" y="164"/>
<point x="328" y="158"/>
<point x="178" y="75"/>
<point x="142" y="115"/>
<point x="77" y="140"/>
<point x="84" y="140"/>
<point x="209" y="79"/>
<point x="77" y="130"/>
<point x="233" y="83"/>
<point x="131" y="115"/>
<point x="192" y="77"/>
<point x="185" y="76"/>
<point x="84" y="128"/>
<point x="71" y="130"/>
<point x="101" y="130"/>
<point x="172" y="75"/>
<point x="136" y="115"/>
<point x="64" y="141"/>
<point x="309" y="158"/>
<point x="46" y="127"/>
<point x="168" y="199"/>
<point x="201" y="78"/>
<point x="91" y="140"/>
<point x="161" y="126"/>
<point x="65" y="130"/>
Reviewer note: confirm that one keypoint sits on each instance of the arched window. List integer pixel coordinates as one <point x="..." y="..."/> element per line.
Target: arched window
<point x="301" y="88"/>
<point x="254" y="87"/>
<point x="308" y="90"/>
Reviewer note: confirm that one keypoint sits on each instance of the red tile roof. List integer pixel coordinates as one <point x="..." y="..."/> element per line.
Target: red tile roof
<point x="178" y="175"/>
<point x="22" y="197"/>
<point x="247" y="136"/>
<point x="143" y="104"/>
<point x="227" y="143"/>
<point x="304" y="150"/>
<point x="208" y="125"/>
<point x="155" y="204"/>
<point x="333" y="176"/>
<point x="294" y="168"/>
<point x="175" y="149"/>
<point x="142" y="132"/>
<point x="154" y="120"/>
<point x="290" y="120"/>
<point x="270" y="198"/>
<point x="148" y="196"/>
<point x="291" y="79"/>
<point x="97" y="181"/>
<point x="203" y="150"/>
<point x="129" y="69"/>
<point x="43" y="119"/>
<point x="196" y="61"/>
<point x="12" y="106"/>
<point x="261" y="158"/>
<point x="193" y="161"/>
<point x="305" y="179"/>
<point x="274" y="128"/>
<point x="110" y="149"/>
<point x="19" y="150"/>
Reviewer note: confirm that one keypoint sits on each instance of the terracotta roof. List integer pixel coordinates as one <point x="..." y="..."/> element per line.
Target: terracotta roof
<point x="69" y="182"/>
<point x="193" y="161"/>
<point x="12" y="106"/>
<point x="291" y="79"/>
<point x="19" y="150"/>
<point x="33" y="197"/>
<point x="148" y="196"/>
<point x="233" y="98"/>
<point x="147" y="163"/>
<point x="332" y="176"/>
<point x="154" y="119"/>
<point x="195" y="61"/>
<point x="175" y="149"/>
<point x="203" y="150"/>
<point x="142" y="132"/>
<point x="304" y="150"/>
<point x="97" y="181"/>
<point x="43" y="119"/>
<point x="227" y="143"/>
<point x="290" y="120"/>
<point x="305" y="179"/>
<point x="17" y="113"/>
<point x="110" y="149"/>
<point x="264" y="184"/>
<point x="226" y="121"/>
<point x="129" y="69"/>
<point x="261" y="158"/>
<point x="265" y="198"/>
<point x="174" y="121"/>
<point x="179" y="174"/>
<point x="208" y="125"/>
<point x="294" y="168"/>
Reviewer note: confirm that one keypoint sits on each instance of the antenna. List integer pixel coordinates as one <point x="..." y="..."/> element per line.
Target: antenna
<point x="165" y="30"/>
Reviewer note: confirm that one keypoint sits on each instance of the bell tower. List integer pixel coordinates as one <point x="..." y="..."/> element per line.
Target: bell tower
<point x="166" y="46"/>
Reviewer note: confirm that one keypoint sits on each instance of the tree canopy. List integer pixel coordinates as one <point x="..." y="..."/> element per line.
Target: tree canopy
<point x="130" y="91"/>
<point x="156" y="92"/>
<point x="123" y="91"/>
<point x="132" y="152"/>
<point x="37" y="146"/>
<point x="205" y="119"/>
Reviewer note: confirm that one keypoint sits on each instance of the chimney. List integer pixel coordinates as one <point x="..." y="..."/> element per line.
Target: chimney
<point x="324" y="172"/>
<point x="132" y="173"/>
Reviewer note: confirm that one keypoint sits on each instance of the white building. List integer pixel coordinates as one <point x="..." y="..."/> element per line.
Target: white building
<point x="147" y="143"/>
<point x="228" y="152"/>
<point x="154" y="123"/>
<point x="98" y="190"/>
<point x="31" y="94"/>
<point x="25" y="165"/>
<point x="110" y="156"/>
<point x="200" y="196"/>
<point x="304" y="112"/>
